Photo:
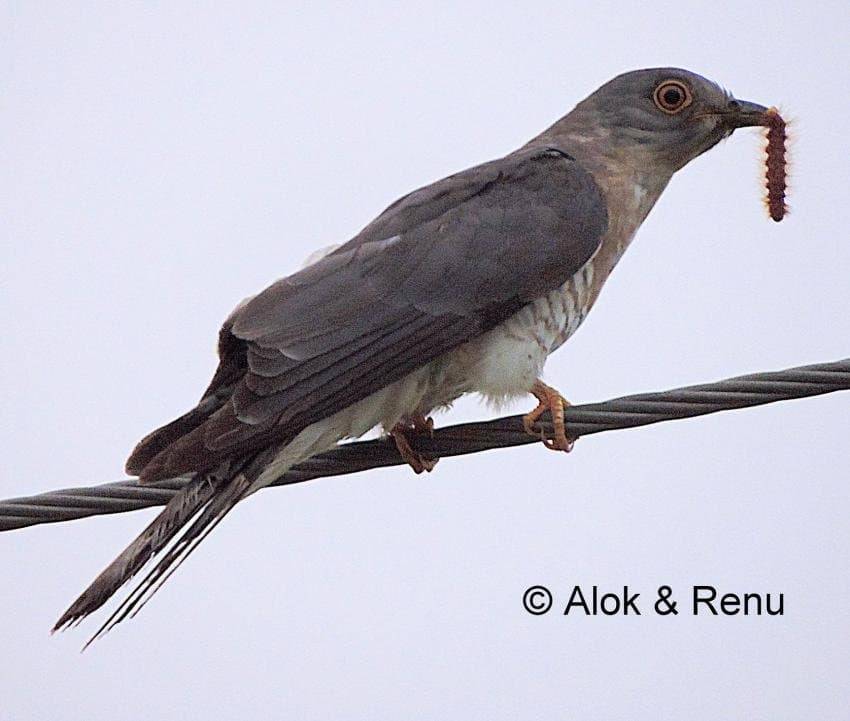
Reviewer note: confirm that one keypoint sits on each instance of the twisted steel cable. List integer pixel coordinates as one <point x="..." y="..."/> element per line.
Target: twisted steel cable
<point x="582" y="420"/>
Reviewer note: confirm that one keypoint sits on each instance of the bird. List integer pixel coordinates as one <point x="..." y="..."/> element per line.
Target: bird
<point x="463" y="286"/>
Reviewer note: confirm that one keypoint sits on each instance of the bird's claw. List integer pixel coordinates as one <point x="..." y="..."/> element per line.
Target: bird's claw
<point x="549" y="400"/>
<point x="421" y="424"/>
<point x="418" y="424"/>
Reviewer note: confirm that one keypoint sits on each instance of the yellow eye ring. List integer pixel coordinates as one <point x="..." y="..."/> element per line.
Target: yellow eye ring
<point x="672" y="96"/>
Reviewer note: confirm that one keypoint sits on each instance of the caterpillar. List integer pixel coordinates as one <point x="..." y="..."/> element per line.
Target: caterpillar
<point x="775" y="174"/>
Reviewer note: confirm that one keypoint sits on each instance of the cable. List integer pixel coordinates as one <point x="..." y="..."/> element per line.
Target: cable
<point x="630" y="411"/>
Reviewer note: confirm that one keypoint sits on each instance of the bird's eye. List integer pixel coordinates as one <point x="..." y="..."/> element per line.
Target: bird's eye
<point x="671" y="96"/>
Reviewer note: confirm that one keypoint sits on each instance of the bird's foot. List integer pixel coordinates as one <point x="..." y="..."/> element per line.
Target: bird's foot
<point x="549" y="400"/>
<point x="422" y="424"/>
<point x="401" y="432"/>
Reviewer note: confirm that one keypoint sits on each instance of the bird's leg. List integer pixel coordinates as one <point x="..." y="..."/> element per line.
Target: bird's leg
<point x="552" y="401"/>
<point x="415" y="423"/>
<point x="422" y="424"/>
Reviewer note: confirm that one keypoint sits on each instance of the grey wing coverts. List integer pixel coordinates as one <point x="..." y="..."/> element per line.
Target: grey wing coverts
<point x="437" y="268"/>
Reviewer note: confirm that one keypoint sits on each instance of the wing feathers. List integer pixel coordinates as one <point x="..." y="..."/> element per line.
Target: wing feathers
<point x="439" y="267"/>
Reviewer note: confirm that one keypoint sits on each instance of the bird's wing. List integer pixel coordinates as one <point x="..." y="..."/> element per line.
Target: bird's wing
<point x="436" y="269"/>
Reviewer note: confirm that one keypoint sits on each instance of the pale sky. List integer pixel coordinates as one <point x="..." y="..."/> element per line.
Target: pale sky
<point x="159" y="162"/>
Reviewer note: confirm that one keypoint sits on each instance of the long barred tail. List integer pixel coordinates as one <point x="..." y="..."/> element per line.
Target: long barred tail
<point x="207" y="499"/>
<point x="185" y="522"/>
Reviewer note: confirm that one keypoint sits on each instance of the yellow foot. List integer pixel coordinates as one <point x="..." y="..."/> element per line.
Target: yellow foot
<point x="417" y="423"/>
<point x="552" y="401"/>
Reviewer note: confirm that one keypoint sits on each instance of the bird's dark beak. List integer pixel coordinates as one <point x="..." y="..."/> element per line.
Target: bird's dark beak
<point x="744" y="114"/>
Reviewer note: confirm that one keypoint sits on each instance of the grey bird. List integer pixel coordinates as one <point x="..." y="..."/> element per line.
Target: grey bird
<point x="463" y="286"/>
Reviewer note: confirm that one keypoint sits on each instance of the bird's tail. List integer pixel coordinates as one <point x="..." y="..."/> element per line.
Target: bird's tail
<point x="185" y="522"/>
<point x="207" y="500"/>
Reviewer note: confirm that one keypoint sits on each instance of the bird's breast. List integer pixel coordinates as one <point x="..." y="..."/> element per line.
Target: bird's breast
<point x="505" y="361"/>
<point x="559" y="313"/>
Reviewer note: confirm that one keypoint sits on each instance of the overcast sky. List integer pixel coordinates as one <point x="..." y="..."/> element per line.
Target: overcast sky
<point x="159" y="162"/>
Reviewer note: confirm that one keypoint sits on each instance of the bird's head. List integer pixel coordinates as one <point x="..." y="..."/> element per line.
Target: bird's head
<point x="665" y="117"/>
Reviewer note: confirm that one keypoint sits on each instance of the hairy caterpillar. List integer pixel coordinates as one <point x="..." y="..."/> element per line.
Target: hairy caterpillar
<point x="775" y="174"/>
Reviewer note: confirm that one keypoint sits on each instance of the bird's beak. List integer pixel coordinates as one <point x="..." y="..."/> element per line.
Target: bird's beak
<point x="744" y="114"/>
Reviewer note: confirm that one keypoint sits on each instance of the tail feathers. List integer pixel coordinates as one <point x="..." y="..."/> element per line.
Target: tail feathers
<point x="187" y="519"/>
<point x="208" y="519"/>
<point x="206" y="499"/>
